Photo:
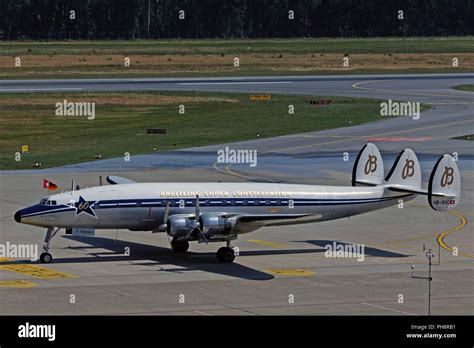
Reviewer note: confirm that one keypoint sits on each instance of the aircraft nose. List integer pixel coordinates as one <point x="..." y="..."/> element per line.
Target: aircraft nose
<point x="17" y="216"/>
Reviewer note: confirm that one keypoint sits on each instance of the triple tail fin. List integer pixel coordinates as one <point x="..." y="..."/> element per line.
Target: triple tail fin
<point x="444" y="186"/>
<point x="368" y="167"/>
<point x="405" y="174"/>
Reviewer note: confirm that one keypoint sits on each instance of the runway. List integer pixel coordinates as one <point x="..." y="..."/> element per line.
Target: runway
<point x="451" y="113"/>
<point x="274" y="264"/>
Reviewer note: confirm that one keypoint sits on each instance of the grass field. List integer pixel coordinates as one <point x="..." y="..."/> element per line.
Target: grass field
<point x="468" y="88"/>
<point x="216" y="57"/>
<point x="122" y="119"/>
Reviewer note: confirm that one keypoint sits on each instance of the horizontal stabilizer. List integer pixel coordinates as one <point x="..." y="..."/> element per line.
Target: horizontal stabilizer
<point x="115" y="180"/>
<point x="444" y="186"/>
<point x="418" y="192"/>
<point x="405" y="173"/>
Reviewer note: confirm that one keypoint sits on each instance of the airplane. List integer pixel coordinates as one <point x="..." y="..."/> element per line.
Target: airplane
<point x="219" y="212"/>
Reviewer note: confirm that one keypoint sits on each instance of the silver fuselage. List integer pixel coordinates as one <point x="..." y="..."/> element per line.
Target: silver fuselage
<point x="141" y="206"/>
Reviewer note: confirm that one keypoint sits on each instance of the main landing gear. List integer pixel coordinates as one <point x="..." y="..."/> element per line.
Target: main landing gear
<point x="226" y="254"/>
<point x="45" y="256"/>
<point x="179" y="246"/>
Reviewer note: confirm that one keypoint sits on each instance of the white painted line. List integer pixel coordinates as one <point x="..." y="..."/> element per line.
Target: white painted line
<point x="390" y="309"/>
<point x="38" y="89"/>
<point x="199" y="312"/>
<point x="232" y="83"/>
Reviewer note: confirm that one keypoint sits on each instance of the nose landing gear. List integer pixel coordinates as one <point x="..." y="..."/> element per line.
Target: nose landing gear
<point x="45" y="256"/>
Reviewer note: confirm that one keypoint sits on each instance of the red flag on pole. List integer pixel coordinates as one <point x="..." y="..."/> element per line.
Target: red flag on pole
<point x="49" y="185"/>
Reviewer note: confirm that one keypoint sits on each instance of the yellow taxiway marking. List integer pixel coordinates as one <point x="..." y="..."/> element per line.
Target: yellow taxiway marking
<point x="266" y="243"/>
<point x="34" y="270"/>
<point x="291" y="272"/>
<point x="227" y="169"/>
<point x="17" y="284"/>
<point x="365" y="136"/>
<point x="443" y="234"/>
<point x="356" y="85"/>
<point x="441" y="237"/>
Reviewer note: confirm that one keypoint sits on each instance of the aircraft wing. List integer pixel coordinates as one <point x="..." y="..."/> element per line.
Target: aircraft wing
<point x="243" y="220"/>
<point x="115" y="180"/>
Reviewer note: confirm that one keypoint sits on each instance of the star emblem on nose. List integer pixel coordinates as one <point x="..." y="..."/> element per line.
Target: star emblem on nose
<point x="83" y="206"/>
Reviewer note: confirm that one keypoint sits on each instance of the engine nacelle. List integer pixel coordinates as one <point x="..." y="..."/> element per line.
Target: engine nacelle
<point x="180" y="224"/>
<point x="215" y="224"/>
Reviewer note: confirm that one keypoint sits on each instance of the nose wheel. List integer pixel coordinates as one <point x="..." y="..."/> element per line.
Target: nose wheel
<point x="45" y="256"/>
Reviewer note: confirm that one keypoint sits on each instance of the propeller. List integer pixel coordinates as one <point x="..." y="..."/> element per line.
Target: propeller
<point x="165" y="220"/>
<point x="164" y="226"/>
<point x="197" y="225"/>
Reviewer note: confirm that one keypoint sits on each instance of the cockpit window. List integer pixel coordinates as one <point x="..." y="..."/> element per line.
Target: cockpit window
<point x="47" y="201"/>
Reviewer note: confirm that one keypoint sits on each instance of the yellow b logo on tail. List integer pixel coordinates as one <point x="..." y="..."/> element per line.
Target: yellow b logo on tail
<point x="371" y="164"/>
<point x="448" y="176"/>
<point x="409" y="169"/>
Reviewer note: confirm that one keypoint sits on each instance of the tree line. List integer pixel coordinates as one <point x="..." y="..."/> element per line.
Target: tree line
<point x="194" y="19"/>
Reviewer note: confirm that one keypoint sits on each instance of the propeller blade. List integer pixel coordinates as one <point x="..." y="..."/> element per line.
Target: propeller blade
<point x="197" y="212"/>
<point x="169" y="239"/>
<point x="167" y="212"/>
<point x="203" y="235"/>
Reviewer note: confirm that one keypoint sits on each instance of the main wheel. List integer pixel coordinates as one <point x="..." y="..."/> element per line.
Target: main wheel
<point x="180" y="246"/>
<point x="46" y="257"/>
<point x="225" y="254"/>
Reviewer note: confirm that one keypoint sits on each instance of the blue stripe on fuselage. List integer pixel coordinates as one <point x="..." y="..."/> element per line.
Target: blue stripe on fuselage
<point x="40" y="209"/>
<point x="243" y="202"/>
